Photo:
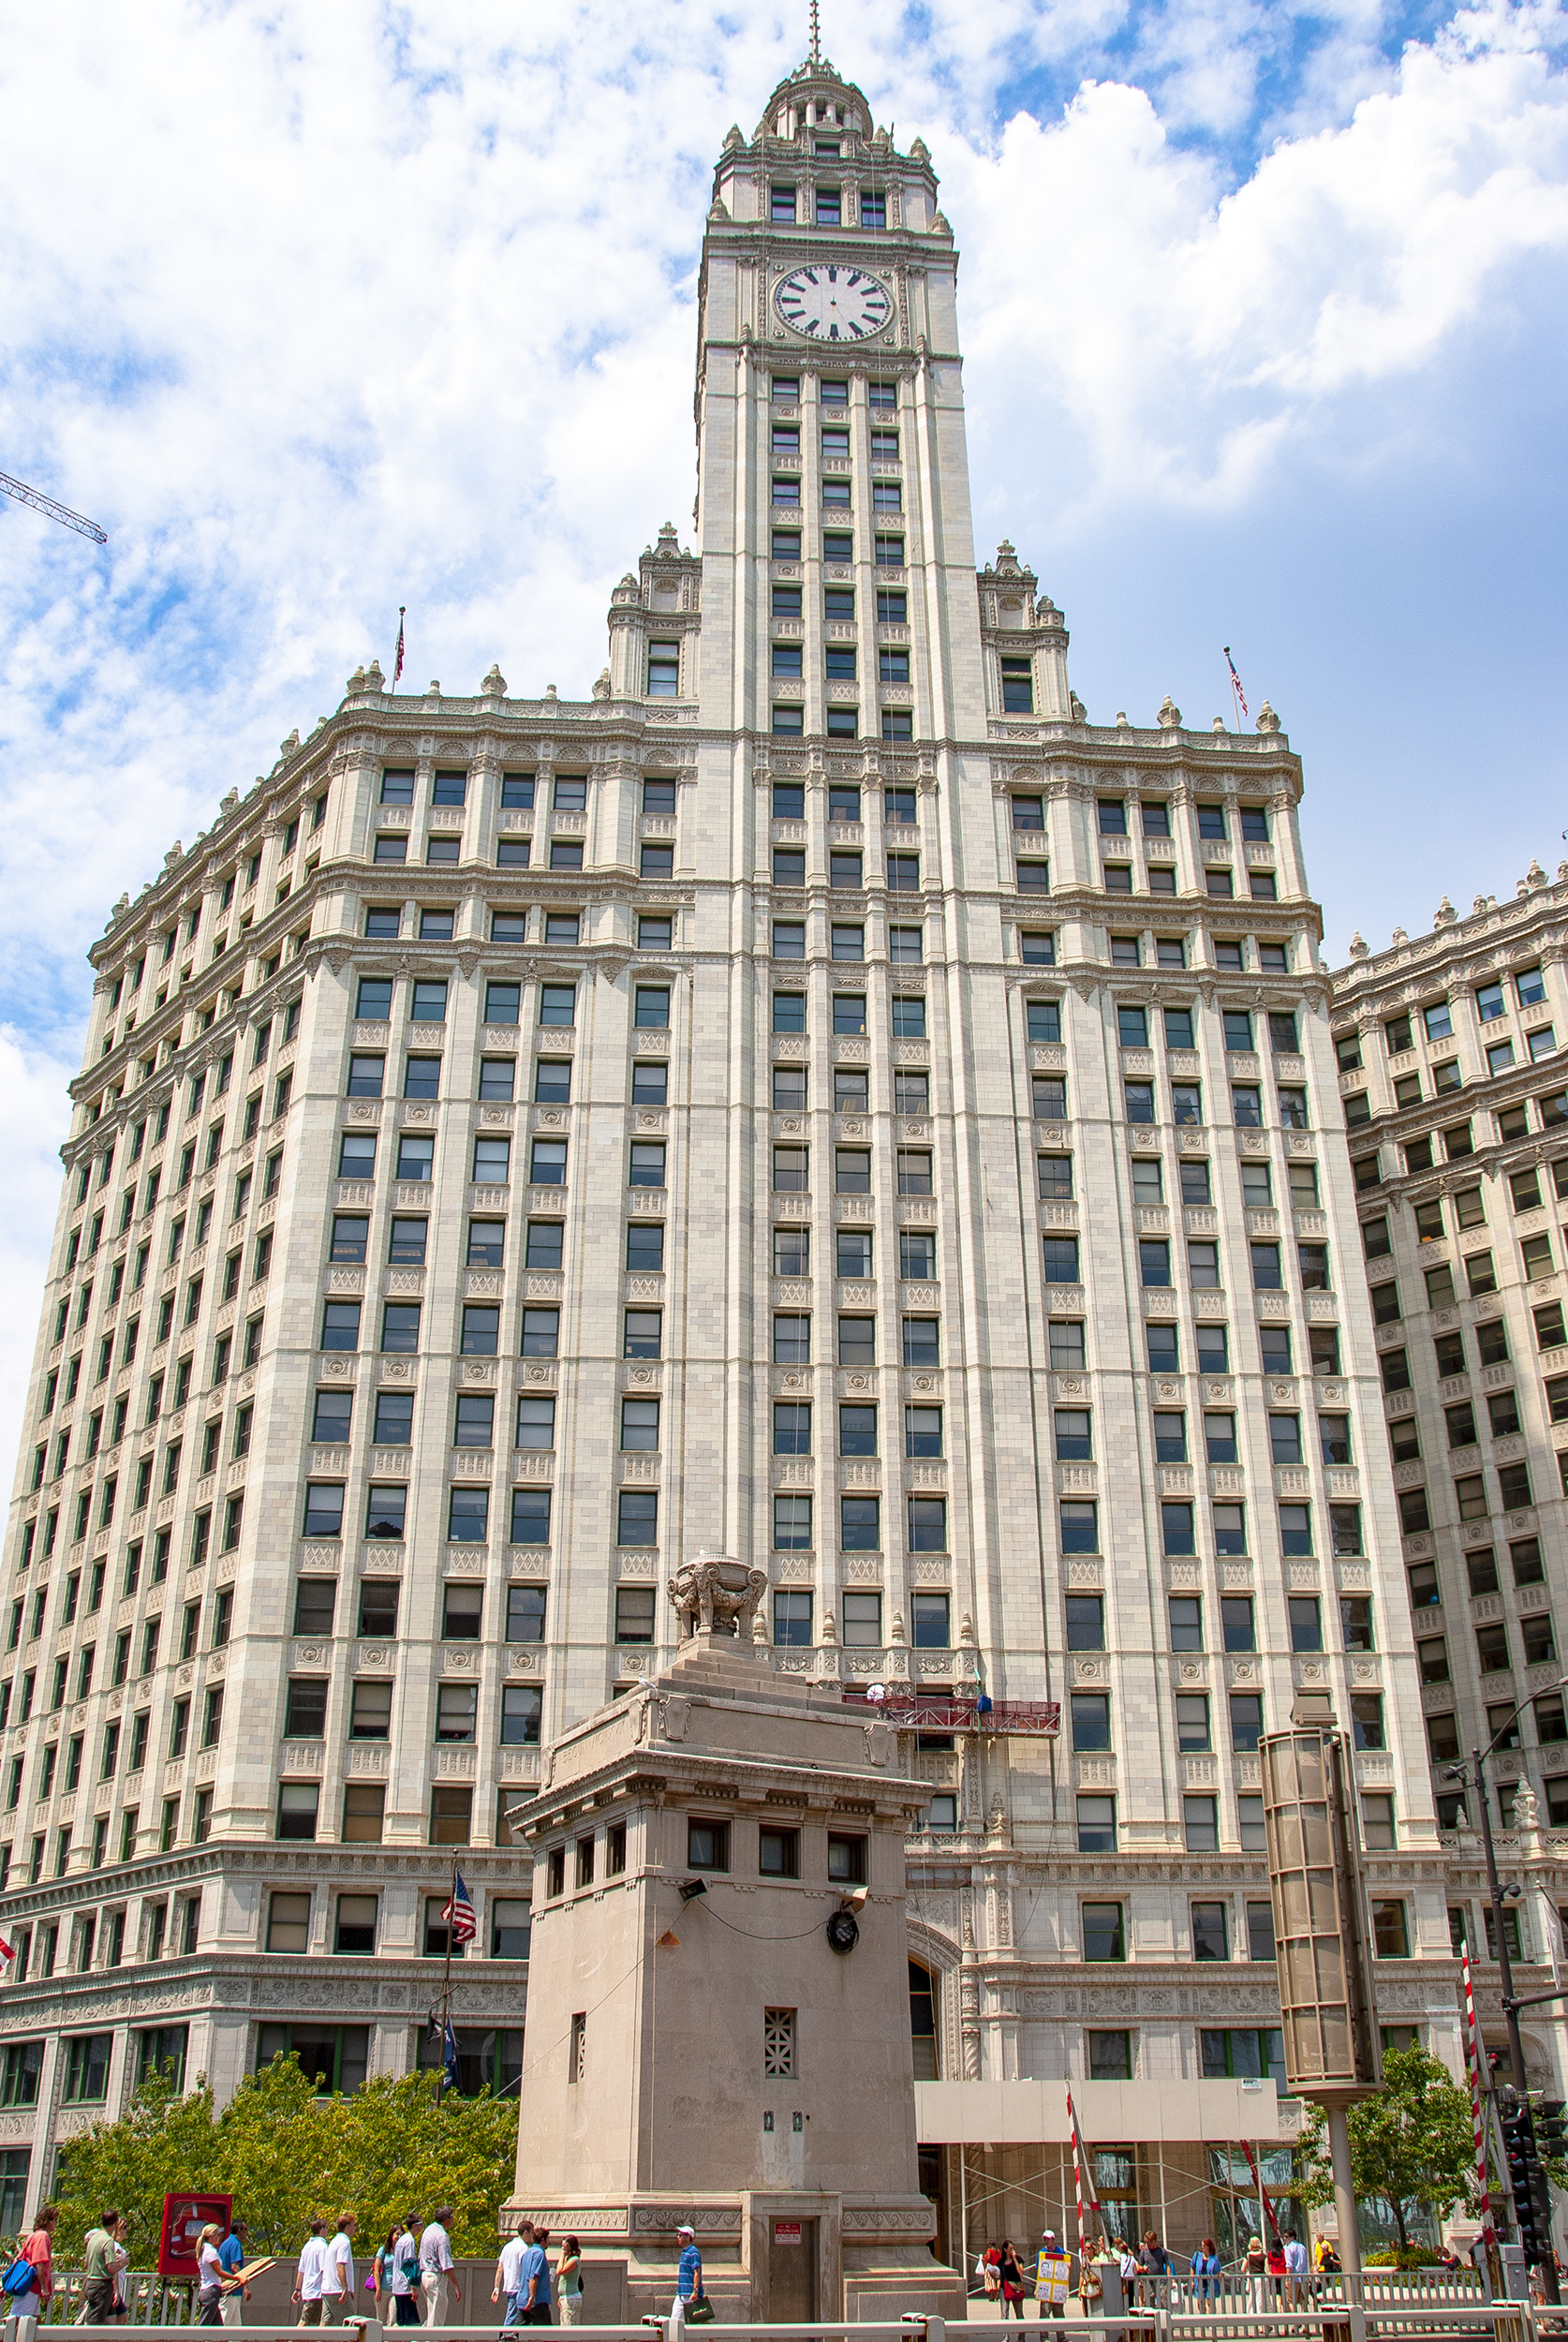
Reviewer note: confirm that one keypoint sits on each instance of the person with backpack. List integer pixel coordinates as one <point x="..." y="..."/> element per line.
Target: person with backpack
<point x="30" y="2280"/>
<point x="403" y="2272"/>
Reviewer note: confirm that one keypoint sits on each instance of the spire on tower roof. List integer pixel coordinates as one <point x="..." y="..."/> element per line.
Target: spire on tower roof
<point x="816" y="35"/>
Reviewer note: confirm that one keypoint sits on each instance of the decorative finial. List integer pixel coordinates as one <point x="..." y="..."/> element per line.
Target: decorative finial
<point x="1359" y="948"/>
<point x="816" y="37"/>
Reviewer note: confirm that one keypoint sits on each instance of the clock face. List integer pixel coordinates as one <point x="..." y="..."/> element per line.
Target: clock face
<point x="832" y="304"/>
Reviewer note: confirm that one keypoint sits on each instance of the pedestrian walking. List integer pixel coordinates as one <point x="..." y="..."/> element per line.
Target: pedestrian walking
<point x="1154" y="2263"/>
<point x="689" y="2275"/>
<point x="568" y="2282"/>
<point x="24" y="2299"/>
<point x="1053" y="2271"/>
<point x="386" y="2253"/>
<point x="436" y="2267"/>
<point x="1295" y="2270"/>
<point x="232" y="2252"/>
<point x="533" y="2282"/>
<point x="1208" y="2268"/>
<point x="103" y="2257"/>
<point x="337" y="2282"/>
<point x="1255" y="2268"/>
<point x="209" y="2276"/>
<point x="508" y="2271"/>
<point x="405" y="2273"/>
<point x="989" y="2272"/>
<point x="1275" y="2263"/>
<point x="309" y="2274"/>
<point x="1009" y="2268"/>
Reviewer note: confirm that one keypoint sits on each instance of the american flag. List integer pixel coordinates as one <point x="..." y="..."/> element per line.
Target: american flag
<point x="7" y="1951"/>
<point x="397" y="663"/>
<point x="1235" y="679"/>
<point x="459" y="1912"/>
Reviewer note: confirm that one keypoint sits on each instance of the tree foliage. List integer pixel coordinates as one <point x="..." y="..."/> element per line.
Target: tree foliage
<point x="287" y="2157"/>
<point x="1413" y="2144"/>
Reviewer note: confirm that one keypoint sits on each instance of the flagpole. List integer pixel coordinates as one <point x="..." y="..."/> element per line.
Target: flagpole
<point x="446" y="1983"/>
<point x="1239" y="697"/>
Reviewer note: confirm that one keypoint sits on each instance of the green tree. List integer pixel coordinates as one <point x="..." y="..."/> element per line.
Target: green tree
<point x="1412" y="2145"/>
<point x="287" y="2156"/>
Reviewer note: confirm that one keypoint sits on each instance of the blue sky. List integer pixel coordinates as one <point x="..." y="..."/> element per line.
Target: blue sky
<point x="318" y="311"/>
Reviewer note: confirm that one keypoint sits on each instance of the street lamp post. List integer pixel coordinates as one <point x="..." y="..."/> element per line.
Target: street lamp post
<point x="1474" y="1773"/>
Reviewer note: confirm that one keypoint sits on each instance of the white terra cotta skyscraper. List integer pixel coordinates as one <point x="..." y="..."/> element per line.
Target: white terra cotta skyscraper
<point x="819" y="1099"/>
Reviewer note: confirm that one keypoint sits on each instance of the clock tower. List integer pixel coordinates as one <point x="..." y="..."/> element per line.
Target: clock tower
<point x="839" y="578"/>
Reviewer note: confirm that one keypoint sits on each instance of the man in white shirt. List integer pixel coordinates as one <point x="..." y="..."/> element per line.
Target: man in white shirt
<point x="508" y="2271"/>
<point x="309" y="2274"/>
<point x="337" y="2282"/>
<point x="436" y="2265"/>
<point x="1295" y="2269"/>
<point x="405" y="2274"/>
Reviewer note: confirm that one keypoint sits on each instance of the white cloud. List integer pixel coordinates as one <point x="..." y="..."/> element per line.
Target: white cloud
<point x="1187" y="335"/>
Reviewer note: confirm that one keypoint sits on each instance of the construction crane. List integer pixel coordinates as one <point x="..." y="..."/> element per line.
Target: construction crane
<point x="40" y="503"/>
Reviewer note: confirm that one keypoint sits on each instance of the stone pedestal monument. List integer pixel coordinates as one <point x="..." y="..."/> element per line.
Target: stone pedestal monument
<point x="719" y="1991"/>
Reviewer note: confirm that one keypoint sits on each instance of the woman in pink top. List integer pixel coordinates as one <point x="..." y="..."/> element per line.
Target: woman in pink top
<point x="38" y="2249"/>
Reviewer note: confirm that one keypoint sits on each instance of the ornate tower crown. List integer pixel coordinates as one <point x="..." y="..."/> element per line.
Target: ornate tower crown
<point x="816" y="102"/>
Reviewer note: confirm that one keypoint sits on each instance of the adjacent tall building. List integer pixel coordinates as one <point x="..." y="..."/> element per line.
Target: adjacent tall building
<point x="818" y="1099"/>
<point x="1456" y="1099"/>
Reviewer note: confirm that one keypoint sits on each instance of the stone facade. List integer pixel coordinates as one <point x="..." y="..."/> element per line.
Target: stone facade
<point x="818" y="1098"/>
<point x="1449" y="1052"/>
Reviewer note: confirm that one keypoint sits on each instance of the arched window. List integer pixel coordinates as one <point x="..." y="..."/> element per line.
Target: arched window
<point x="922" y="2020"/>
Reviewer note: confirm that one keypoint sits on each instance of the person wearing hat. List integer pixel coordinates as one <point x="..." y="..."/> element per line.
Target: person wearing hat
<point x="1053" y="2269"/>
<point x="688" y="2273"/>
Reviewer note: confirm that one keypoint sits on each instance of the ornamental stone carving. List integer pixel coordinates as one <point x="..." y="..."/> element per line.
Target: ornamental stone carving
<point x="713" y="1594"/>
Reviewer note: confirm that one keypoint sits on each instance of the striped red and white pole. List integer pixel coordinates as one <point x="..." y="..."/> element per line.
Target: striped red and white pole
<point x="1478" y="2100"/>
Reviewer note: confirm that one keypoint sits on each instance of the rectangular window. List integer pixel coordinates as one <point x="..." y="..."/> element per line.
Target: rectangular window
<point x="634" y="1614"/>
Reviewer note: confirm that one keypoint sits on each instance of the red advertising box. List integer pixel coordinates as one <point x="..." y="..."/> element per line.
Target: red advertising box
<point x="183" y="2220"/>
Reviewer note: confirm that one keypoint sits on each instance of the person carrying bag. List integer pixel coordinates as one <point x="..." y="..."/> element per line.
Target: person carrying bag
<point x="29" y="2281"/>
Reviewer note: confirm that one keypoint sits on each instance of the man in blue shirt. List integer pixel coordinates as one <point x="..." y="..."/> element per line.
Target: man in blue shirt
<point x="533" y="2282"/>
<point x="688" y="2274"/>
<point x="231" y="2255"/>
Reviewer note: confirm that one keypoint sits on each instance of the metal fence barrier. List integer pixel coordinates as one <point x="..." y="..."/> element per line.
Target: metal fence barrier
<point x="157" y="2307"/>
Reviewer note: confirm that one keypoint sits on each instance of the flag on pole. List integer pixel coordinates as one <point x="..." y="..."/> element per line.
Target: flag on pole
<point x="448" y="2061"/>
<point x="459" y="1912"/>
<point x="1235" y="681"/>
<point x="7" y="1951"/>
<point x="397" y="663"/>
<point x="1477" y="2102"/>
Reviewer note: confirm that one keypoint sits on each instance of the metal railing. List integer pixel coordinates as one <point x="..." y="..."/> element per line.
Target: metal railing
<point x="157" y="2307"/>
